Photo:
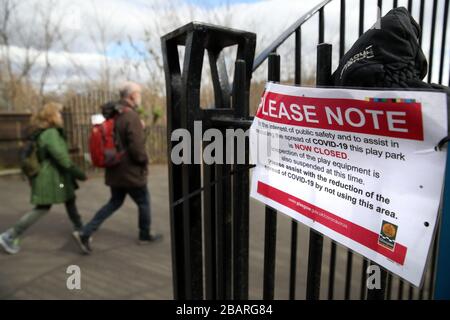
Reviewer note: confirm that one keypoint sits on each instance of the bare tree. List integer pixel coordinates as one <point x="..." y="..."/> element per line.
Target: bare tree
<point x="10" y="77"/>
<point x="23" y="45"/>
<point x="51" y="29"/>
<point x="168" y="17"/>
<point x="102" y="37"/>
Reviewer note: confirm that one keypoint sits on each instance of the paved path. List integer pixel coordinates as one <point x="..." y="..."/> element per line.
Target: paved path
<point x="118" y="269"/>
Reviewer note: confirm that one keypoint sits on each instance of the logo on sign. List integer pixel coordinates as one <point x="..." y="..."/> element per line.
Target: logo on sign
<point x="388" y="234"/>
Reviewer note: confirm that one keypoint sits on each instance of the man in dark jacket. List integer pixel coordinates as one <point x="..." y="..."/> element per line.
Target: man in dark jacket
<point x="129" y="177"/>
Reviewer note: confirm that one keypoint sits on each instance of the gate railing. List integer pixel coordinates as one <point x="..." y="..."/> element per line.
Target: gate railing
<point x="209" y="203"/>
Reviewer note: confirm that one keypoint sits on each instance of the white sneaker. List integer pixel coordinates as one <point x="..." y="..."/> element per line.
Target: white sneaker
<point x="10" y="245"/>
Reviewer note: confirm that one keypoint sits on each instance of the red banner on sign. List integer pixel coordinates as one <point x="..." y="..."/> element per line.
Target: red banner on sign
<point x="389" y="117"/>
<point x="344" y="227"/>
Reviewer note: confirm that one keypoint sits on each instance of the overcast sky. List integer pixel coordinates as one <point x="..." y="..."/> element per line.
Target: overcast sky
<point x="103" y="28"/>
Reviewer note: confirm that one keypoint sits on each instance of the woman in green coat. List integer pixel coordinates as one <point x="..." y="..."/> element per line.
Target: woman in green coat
<point x="56" y="180"/>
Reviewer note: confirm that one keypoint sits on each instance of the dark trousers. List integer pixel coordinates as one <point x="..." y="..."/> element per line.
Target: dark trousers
<point x="140" y="196"/>
<point x="39" y="211"/>
<point x="72" y="212"/>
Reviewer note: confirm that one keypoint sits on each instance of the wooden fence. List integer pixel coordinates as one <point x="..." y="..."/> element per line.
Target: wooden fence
<point x="13" y="128"/>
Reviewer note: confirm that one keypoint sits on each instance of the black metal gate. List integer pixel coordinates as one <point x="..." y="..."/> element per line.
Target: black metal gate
<point x="209" y="203"/>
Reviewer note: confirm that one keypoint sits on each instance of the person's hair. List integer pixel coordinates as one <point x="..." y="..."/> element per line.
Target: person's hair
<point x="127" y="88"/>
<point x="47" y="116"/>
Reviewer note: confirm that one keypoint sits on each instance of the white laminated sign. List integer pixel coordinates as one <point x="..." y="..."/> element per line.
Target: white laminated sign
<point x="359" y="166"/>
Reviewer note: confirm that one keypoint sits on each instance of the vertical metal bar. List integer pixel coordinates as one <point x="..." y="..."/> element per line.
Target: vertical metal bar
<point x="293" y="267"/>
<point x="324" y="53"/>
<point x="240" y="194"/>
<point x="321" y="26"/>
<point x="411" y="292"/>
<point x="209" y="213"/>
<point x="421" y="292"/>
<point x="361" y="17"/>
<point x="389" y="287"/>
<point x="421" y="15"/>
<point x="433" y="29"/>
<point x="332" y="271"/>
<point x="294" y="225"/>
<point x="220" y="250"/>
<point x="298" y="56"/>
<point x="228" y="224"/>
<point x="342" y="31"/>
<point x="378" y="294"/>
<point x="191" y="173"/>
<point x="362" y="294"/>
<point x="223" y="230"/>
<point x="443" y="43"/>
<point x="348" y="275"/>
<point x="400" y="289"/>
<point x="395" y="4"/>
<point x="314" y="266"/>
<point x="173" y="96"/>
<point x="271" y="214"/>
<point x="192" y="235"/>
<point x="270" y="253"/>
<point x="380" y="5"/>
<point x="410" y="3"/>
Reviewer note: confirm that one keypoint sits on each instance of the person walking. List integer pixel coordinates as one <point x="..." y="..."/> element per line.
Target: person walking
<point x="129" y="176"/>
<point x="55" y="181"/>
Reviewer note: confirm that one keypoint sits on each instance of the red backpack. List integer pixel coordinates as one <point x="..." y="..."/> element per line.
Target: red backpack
<point x="104" y="142"/>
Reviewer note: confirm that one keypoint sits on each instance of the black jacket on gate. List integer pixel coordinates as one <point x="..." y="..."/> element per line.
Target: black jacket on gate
<point x="386" y="57"/>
